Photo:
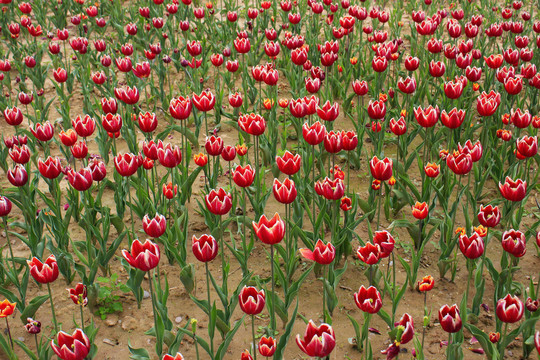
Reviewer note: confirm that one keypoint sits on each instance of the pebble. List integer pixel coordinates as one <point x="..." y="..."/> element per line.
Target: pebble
<point x="110" y="342"/>
<point x="112" y="320"/>
<point x="146" y="295"/>
<point x="178" y="319"/>
<point x="20" y="338"/>
<point x="129" y="323"/>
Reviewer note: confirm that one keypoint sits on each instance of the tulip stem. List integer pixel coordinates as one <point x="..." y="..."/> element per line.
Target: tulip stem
<point x="209" y="306"/>
<point x="273" y="315"/>
<point x="379" y="211"/>
<point x="131" y="212"/>
<point x="424" y="322"/>
<point x="82" y="316"/>
<point x="9" y="333"/>
<point x="152" y="296"/>
<point x="244" y="245"/>
<point x="222" y="248"/>
<point x="36" y="341"/>
<point x="253" y="335"/>
<point x="52" y="308"/>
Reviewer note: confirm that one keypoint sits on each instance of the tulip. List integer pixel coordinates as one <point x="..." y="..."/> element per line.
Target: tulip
<point x="381" y="169"/>
<point x="169" y="156"/>
<point x="369" y="254"/>
<point x="269" y="231"/>
<point x="126" y="164"/>
<point x="178" y="356"/>
<point x="427" y="117"/>
<point x="513" y="190"/>
<point x="267" y="346"/>
<point x="318" y="341"/>
<point x="288" y="164"/>
<point x="79" y="295"/>
<point x="200" y="159"/>
<point x="14" y="116"/>
<point x="426" y="284"/>
<point x="509" y="309"/>
<point x="333" y="142"/>
<point x="204" y="248"/>
<point x="314" y="134"/>
<point x="144" y="257"/>
<point x="472" y="247"/>
<point x="243" y="176"/>
<point x="459" y="163"/>
<point x="251" y="300"/>
<point x="253" y="124"/>
<point x="218" y="202"/>
<point x="376" y="109"/>
<point x="154" y="227"/>
<point x="5" y="206"/>
<point x="420" y="210"/>
<point x="527" y="146"/>
<point x="98" y="169"/>
<point x="322" y="253"/>
<point x="6" y="308"/>
<point x="385" y="241"/>
<point x="214" y="145"/>
<point x="406" y="322"/>
<point x="453" y="119"/>
<point x="532" y="305"/>
<point x="514" y="242"/>
<point x="71" y="347"/>
<point x="432" y="170"/>
<point x="204" y="102"/>
<point x="398" y="127"/>
<point x="42" y="132"/>
<point x="487" y="104"/>
<point x="284" y="192"/>
<point x="450" y="319"/>
<point x="368" y="300"/>
<point x="489" y="216"/>
<point x="80" y="180"/>
<point x="20" y="155"/>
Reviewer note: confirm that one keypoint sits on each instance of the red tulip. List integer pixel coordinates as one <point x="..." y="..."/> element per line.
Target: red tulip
<point x="251" y="300"/>
<point x="204" y="248"/>
<point x="154" y="227"/>
<point x="111" y="122"/>
<point x="169" y="156"/>
<point x="489" y="216"/>
<point x="459" y="163"/>
<point x="235" y="100"/>
<point x="14" y="116"/>
<point x="453" y="119"/>
<point x="330" y="189"/>
<point x="246" y="355"/>
<point x="509" y="309"/>
<point x="349" y="140"/>
<point x="180" y="108"/>
<point x="520" y="119"/>
<point x="406" y="322"/>
<point x="17" y="176"/>
<point x="42" y="132"/>
<point x="437" y="68"/>
<point x="450" y="319"/>
<point x="487" y="104"/>
<point x="253" y="124"/>
<point x="514" y="242"/>
<point x="270" y="231"/>
<point x="20" y="155"/>
<point x="144" y="257"/>
<point x="385" y="241"/>
<point x="513" y="190"/>
<point x="50" y="168"/>
<point x="229" y="153"/>
<point x="43" y="273"/>
<point x="420" y="210"/>
<point x="427" y="117"/>
<point x="60" y="75"/>
<point x="71" y="347"/>
<point x="328" y="112"/>
<point x="80" y="180"/>
<point x="79" y="150"/>
<point x="360" y="87"/>
<point x="178" y="356"/>
<point x="381" y="169"/>
<point x="284" y="192"/>
<point x="368" y="300"/>
<point x="6" y="308"/>
<point x="243" y="176"/>
<point x="5" y="206"/>
<point x="218" y="202"/>
<point x="267" y="346"/>
<point x="98" y="168"/>
<point x="314" y="134"/>
<point x="432" y="170"/>
<point x="472" y="247"/>
<point x="128" y="95"/>
<point x="126" y="164"/>
<point x="407" y="85"/>
<point x="475" y="149"/>
<point x="376" y="109"/>
<point x="204" y="102"/>
<point x="214" y="145"/>
<point x="318" y="341"/>
<point x="79" y="294"/>
<point x="109" y="106"/>
<point x="369" y="254"/>
<point x="333" y="142"/>
<point x="527" y="146"/>
<point x="322" y="253"/>
<point x="288" y="164"/>
<point x="398" y="127"/>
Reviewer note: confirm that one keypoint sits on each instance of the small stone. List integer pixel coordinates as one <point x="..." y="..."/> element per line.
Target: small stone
<point x="110" y="342"/>
<point x="112" y="320"/>
<point x="20" y="338"/>
<point x="178" y="319"/>
<point x="146" y="295"/>
<point x="129" y="323"/>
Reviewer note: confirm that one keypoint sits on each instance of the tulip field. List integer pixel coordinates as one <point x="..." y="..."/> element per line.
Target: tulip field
<point x="292" y="179"/>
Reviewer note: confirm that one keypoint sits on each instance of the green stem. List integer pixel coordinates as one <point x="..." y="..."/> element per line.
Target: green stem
<point x="209" y="306"/>
<point x="82" y="316"/>
<point x="9" y="333"/>
<point x="273" y="315"/>
<point x="15" y="274"/>
<point x="52" y="308"/>
<point x="253" y="335"/>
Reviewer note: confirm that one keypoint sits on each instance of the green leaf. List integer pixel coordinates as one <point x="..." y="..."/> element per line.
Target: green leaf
<point x="32" y="307"/>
